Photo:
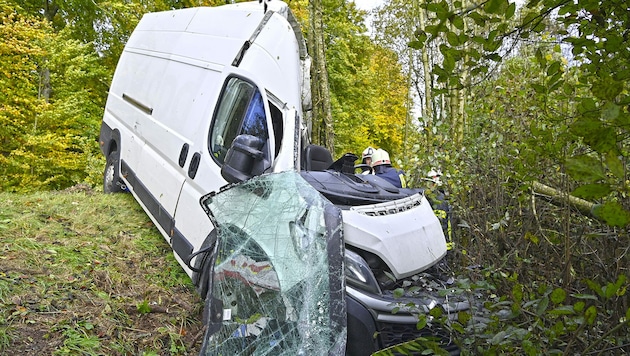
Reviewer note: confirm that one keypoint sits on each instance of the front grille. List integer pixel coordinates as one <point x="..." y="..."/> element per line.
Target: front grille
<point x="391" y="207"/>
<point x="391" y="334"/>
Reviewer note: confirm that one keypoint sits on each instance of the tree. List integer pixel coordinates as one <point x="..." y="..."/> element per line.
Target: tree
<point x="322" y="114"/>
<point x="47" y="140"/>
<point x="368" y="90"/>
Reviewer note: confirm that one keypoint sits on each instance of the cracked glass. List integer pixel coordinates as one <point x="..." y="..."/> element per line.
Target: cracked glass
<point x="278" y="283"/>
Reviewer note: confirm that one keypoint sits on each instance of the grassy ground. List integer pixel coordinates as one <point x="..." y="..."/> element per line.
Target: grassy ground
<point x="84" y="273"/>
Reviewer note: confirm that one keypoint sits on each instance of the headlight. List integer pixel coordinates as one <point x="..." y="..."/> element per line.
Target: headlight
<point x="358" y="273"/>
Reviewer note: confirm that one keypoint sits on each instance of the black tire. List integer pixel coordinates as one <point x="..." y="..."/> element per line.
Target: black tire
<point x="111" y="175"/>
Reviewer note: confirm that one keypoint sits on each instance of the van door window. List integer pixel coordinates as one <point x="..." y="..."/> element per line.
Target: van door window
<point x="278" y="129"/>
<point x="240" y="111"/>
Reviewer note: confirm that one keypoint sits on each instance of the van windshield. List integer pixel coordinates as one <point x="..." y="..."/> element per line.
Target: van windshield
<point x="240" y="111"/>
<point x="278" y="282"/>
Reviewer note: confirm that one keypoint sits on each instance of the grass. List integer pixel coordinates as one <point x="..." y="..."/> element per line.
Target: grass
<point x="85" y="273"/>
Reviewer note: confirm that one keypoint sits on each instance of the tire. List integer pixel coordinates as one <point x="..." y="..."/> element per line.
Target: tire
<point x="111" y="176"/>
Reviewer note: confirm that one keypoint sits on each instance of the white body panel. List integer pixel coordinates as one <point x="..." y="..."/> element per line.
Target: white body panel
<point x="409" y="241"/>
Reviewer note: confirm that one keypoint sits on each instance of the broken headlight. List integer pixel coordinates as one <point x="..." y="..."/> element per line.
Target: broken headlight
<point x="358" y="273"/>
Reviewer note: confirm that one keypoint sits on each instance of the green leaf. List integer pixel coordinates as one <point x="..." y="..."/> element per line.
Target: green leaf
<point x="416" y="44"/>
<point x="491" y="46"/>
<point x="458" y="327"/>
<point x="614" y="164"/>
<point x="623" y="120"/>
<point x="496" y="7"/>
<point x="620" y="281"/>
<point x="531" y="237"/>
<point x="399" y="292"/>
<point x="585" y="169"/>
<point x="590" y="314"/>
<point x="558" y="328"/>
<point x="585" y="125"/>
<point x="440" y="9"/>
<point x="458" y="22"/>
<point x="464" y="317"/>
<point x="595" y="287"/>
<point x="539" y="88"/>
<point x="610" y="111"/>
<point x="517" y="292"/>
<point x="422" y="322"/>
<point x="579" y="306"/>
<point x="143" y="308"/>
<point x="480" y="20"/>
<point x="610" y="290"/>
<point x="592" y="191"/>
<point x="449" y="61"/>
<point x="452" y="39"/>
<point x="421" y="36"/>
<point x="607" y="88"/>
<point x="433" y="30"/>
<point x="613" y="214"/>
<point x="401" y="349"/>
<point x="499" y="338"/>
<point x="511" y="10"/>
<point x="588" y="107"/>
<point x="558" y="295"/>
<point x="495" y="57"/>
<point x="542" y="306"/>
<point x="553" y="68"/>
<point x="590" y="284"/>
<point x="436" y="312"/>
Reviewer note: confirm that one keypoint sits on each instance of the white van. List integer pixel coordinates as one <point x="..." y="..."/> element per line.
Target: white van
<point x="206" y="124"/>
<point x="180" y="69"/>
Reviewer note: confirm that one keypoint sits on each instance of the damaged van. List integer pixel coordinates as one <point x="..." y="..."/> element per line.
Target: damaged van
<point x="207" y="125"/>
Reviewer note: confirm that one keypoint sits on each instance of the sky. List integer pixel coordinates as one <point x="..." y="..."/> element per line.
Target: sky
<point x="367" y="4"/>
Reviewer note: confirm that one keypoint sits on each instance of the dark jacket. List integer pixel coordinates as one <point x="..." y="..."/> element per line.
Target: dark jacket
<point x="391" y="174"/>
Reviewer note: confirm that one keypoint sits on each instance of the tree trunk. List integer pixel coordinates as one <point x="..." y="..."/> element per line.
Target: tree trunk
<point x="322" y="113"/>
<point x="428" y="98"/>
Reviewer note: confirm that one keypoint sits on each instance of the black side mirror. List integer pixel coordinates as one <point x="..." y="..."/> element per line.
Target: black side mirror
<point x="241" y="158"/>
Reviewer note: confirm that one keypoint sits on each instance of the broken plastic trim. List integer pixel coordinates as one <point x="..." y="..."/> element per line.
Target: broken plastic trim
<point x="278" y="280"/>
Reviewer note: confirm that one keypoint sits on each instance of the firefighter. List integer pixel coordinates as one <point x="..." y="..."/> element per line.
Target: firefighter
<point x="382" y="167"/>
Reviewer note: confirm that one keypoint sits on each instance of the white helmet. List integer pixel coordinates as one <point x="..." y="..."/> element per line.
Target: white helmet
<point x="380" y="157"/>
<point x="434" y="176"/>
<point x="367" y="153"/>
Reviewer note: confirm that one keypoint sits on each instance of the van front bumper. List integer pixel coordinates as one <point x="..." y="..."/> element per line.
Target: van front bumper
<point x="375" y="324"/>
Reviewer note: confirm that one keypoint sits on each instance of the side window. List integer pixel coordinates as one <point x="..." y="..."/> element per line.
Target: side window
<point x="278" y="129"/>
<point x="240" y="111"/>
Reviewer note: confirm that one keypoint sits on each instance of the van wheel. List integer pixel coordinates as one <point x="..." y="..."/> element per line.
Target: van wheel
<point x="111" y="177"/>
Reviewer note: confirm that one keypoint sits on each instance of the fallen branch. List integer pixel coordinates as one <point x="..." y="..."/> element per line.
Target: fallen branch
<point x="558" y="197"/>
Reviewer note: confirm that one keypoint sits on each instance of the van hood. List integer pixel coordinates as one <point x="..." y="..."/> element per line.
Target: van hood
<point x="397" y="225"/>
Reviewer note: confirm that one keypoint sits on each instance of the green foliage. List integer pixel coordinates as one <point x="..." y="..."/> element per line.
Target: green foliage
<point x="584" y="93"/>
<point x="143" y="308"/>
<point x="536" y="120"/>
<point x="48" y="135"/>
<point x="368" y="90"/>
<point x="78" y="339"/>
<point x="537" y="319"/>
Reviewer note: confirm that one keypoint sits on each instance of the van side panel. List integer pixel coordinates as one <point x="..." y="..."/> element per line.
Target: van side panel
<point x="156" y="126"/>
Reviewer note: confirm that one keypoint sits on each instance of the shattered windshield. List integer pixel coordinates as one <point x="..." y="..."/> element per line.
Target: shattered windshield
<point x="278" y="286"/>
